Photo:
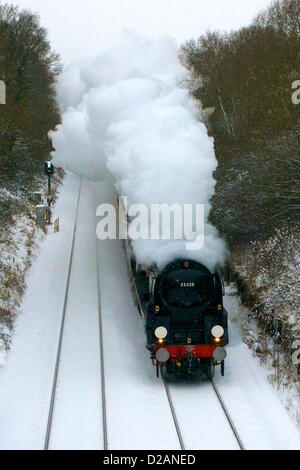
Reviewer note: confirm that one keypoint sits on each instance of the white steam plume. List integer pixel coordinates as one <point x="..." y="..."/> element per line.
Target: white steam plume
<point x="126" y="113"/>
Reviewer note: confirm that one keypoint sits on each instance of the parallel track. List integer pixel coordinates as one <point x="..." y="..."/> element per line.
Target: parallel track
<point x="226" y="412"/>
<point x="228" y="417"/>
<point x="61" y="332"/>
<point x="60" y="342"/>
<point x="103" y="394"/>
<point x="176" y="424"/>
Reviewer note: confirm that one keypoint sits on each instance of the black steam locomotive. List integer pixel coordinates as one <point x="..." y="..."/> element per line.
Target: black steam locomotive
<point x="185" y="320"/>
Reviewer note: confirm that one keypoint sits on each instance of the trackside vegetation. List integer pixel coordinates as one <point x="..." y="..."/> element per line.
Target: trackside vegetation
<point x="28" y="68"/>
<point x="245" y="82"/>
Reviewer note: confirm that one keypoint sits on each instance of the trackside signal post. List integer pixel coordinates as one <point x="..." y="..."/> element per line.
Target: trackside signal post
<point x="49" y="171"/>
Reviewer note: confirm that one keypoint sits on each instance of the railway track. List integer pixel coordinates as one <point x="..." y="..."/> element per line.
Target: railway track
<point x="61" y="331"/>
<point x="176" y="424"/>
<point x="184" y="441"/>
<point x="63" y="323"/>
<point x="103" y="394"/>
<point x="228" y="417"/>
<point x="179" y="428"/>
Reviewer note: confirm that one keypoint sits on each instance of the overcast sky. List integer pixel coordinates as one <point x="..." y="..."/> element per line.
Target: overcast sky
<point x="81" y="28"/>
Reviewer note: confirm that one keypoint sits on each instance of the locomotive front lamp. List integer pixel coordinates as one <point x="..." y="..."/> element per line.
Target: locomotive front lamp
<point x="161" y="332"/>
<point x="217" y="331"/>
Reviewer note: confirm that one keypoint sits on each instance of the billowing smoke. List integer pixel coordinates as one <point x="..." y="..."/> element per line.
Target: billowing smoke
<point x="127" y="114"/>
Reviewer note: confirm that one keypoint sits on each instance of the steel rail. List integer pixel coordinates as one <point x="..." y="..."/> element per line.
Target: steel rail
<point x="230" y="422"/>
<point x="103" y="394"/>
<point x="178" y="431"/>
<point x="61" y="332"/>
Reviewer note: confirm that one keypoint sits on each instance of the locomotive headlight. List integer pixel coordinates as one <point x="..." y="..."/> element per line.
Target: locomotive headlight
<point x="161" y="332"/>
<point x="217" y="331"/>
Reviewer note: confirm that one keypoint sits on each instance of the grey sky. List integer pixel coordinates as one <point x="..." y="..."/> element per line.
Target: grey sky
<point x="80" y="28"/>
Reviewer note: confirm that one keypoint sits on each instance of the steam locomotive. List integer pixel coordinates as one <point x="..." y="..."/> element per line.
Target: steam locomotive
<point x="185" y="320"/>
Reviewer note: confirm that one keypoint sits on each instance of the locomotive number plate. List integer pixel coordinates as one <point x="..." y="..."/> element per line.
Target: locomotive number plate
<point x="187" y="284"/>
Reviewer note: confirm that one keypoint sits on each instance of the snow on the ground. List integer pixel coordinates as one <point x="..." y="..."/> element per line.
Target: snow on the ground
<point x="261" y="419"/>
<point x="270" y="270"/>
<point x="138" y="412"/>
<point x="130" y="378"/>
<point x="77" y="420"/>
<point x="17" y="244"/>
<point x="2" y="353"/>
<point x="203" y="423"/>
<point x="25" y="380"/>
